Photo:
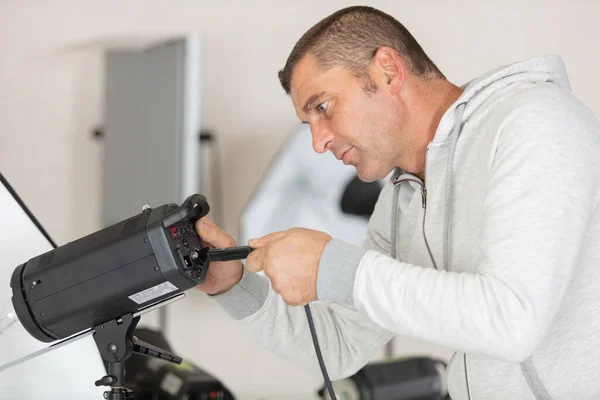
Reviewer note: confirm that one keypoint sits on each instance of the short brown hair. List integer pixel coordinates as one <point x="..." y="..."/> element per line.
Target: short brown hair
<point x="350" y="37"/>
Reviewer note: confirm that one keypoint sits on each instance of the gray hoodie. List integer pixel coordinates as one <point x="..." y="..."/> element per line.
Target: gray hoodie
<point x="495" y="255"/>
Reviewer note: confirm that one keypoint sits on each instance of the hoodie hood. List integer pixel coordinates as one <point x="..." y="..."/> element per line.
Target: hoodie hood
<point x="477" y="91"/>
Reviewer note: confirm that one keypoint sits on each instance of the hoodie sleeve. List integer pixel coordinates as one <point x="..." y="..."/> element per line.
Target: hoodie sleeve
<point x="348" y="338"/>
<point x="540" y="194"/>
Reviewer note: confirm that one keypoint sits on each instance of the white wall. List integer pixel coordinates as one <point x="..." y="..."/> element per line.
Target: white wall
<point x="51" y="91"/>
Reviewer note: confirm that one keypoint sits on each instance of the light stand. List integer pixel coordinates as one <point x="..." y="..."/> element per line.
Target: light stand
<point x="116" y="343"/>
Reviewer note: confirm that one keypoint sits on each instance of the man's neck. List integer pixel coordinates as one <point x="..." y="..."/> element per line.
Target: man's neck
<point x="436" y="96"/>
<point x="439" y="95"/>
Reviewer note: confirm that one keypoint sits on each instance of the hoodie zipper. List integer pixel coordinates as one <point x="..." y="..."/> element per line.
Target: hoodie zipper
<point x="424" y="205"/>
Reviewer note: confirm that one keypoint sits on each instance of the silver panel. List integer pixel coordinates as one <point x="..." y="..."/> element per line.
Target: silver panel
<point x="152" y="119"/>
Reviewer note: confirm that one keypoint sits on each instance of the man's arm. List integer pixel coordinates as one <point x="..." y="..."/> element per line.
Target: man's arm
<point x="541" y="192"/>
<point x="347" y="337"/>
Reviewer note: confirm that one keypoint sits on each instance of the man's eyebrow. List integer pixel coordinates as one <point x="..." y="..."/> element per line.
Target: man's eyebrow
<point x="311" y="101"/>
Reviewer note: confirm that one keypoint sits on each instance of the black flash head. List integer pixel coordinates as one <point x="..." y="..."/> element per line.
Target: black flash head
<point x="121" y="269"/>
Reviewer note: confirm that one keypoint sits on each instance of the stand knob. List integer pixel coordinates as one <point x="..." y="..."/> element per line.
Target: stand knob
<point x="106" y="380"/>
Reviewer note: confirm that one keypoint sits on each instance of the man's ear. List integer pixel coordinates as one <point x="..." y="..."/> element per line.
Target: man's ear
<point x="390" y="65"/>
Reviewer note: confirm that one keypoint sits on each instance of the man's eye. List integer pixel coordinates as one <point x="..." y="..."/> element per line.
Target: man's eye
<point x="322" y="107"/>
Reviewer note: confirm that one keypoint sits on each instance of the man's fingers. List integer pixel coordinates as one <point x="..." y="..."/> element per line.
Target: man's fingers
<point x="265" y="240"/>
<point x="254" y="262"/>
<point x="212" y="234"/>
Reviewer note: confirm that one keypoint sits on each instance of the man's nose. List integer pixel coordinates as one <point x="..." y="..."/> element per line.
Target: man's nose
<point x="322" y="137"/>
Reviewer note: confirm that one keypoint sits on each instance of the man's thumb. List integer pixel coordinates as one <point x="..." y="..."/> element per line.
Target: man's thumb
<point x="265" y="240"/>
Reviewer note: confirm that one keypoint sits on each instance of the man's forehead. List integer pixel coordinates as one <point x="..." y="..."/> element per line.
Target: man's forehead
<point x="308" y="79"/>
<point x="305" y="76"/>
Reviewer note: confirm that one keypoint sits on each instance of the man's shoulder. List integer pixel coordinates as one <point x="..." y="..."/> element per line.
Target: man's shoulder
<point x="539" y="97"/>
<point x="535" y="103"/>
<point x="545" y="115"/>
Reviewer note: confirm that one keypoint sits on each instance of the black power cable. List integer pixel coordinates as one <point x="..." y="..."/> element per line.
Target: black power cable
<point x="313" y="333"/>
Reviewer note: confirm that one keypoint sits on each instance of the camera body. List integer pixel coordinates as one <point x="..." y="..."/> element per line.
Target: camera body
<point x="120" y="269"/>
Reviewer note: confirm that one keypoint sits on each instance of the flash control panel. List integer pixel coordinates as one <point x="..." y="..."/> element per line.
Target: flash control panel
<point x="186" y="245"/>
<point x="183" y="230"/>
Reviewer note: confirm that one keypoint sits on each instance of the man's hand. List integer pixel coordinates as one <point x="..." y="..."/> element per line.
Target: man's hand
<point x="290" y="259"/>
<point x="221" y="276"/>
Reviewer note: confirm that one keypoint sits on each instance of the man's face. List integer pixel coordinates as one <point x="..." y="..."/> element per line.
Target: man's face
<point x="359" y="128"/>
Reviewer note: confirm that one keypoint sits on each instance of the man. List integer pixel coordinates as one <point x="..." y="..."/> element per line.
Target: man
<point x="487" y="239"/>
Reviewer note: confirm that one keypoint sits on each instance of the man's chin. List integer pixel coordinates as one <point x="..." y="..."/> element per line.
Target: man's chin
<point x="368" y="175"/>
